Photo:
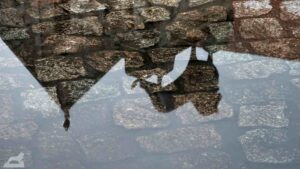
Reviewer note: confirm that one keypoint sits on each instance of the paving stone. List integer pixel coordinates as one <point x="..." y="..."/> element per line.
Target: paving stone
<point x="206" y="103"/>
<point x="294" y="68"/>
<point x="194" y="3"/>
<point x="10" y="151"/>
<point x="65" y="164"/>
<point x="296" y="31"/>
<point x="56" y="145"/>
<point x="42" y="101"/>
<point x="188" y="114"/>
<point x="22" y="130"/>
<point x="24" y="50"/>
<point x="251" y="93"/>
<point x="155" y="14"/>
<point x="144" y="75"/>
<point x="6" y="105"/>
<point x="124" y="20"/>
<point x="235" y="47"/>
<point x="85" y="26"/>
<point x="73" y="90"/>
<point x="208" y="81"/>
<point x="7" y="4"/>
<point x="251" y="8"/>
<point x="40" y="3"/>
<point x="100" y="148"/>
<point x="62" y="44"/>
<point x="266" y="146"/>
<point x="146" y="162"/>
<point x="181" y="139"/>
<point x="257" y="69"/>
<point x="126" y="4"/>
<point x="138" y="114"/>
<point x="296" y="82"/>
<point x="11" y="17"/>
<point x="260" y="28"/>
<point x="273" y="115"/>
<point x="222" y="58"/>
<point x="280" y="48"/>
<point x="172" y="3"/>
<point x="133" y="59"/>
<point x="222" y="32"/>
<point x="110" y="58"/>
<point x="183" y="30"/>
<point x="83" y="6"/>
<point x="201" y="160"/>
<point x="161" y="55"/>
<point x="210" y="14"/>
<point x="290" y="10"/>
<point x="45" y="12"/>
<point x="14" y="34"/>
<point x="59" y="68"/>
<point x="139" y="39"/>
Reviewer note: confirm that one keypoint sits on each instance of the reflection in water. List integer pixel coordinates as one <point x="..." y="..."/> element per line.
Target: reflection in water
<point x="116" y="65"/>
<point x="197" y="90"/>
<point x="189" y="81"/>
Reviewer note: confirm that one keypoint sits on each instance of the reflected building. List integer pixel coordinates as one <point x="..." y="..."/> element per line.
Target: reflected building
<point x="195" y="81"/>
<point x="70" y="45"/>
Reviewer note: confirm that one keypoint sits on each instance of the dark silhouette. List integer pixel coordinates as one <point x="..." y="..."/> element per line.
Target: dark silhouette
<point x="197" y="84"/>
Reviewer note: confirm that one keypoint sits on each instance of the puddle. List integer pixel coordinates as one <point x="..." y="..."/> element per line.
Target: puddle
<point x="151" y="84"/>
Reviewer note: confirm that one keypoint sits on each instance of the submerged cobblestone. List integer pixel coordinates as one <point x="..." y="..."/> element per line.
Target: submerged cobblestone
<point x="181" y="139"/>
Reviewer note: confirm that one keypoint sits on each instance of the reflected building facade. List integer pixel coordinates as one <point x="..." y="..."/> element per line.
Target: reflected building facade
<point x="68" y="46"/>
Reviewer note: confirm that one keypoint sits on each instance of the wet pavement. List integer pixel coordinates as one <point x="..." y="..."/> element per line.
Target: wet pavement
<point x="150" y="84"/>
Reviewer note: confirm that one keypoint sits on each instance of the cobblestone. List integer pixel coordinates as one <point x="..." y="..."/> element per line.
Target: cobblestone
<point x="181" y="139"/>
<point x="260" y="28"/>
<point x="211" y="160"/>
<point x="133" y="114"/>
<point x="62" y="44"/>
<point x="172" y="3"/>
<point x="124" y="20"/>
<point x="23" y="130"/>
<point x="250" y="8"/>
<point x="14" y="34"/>
<point x="194" y="3"/>
<point x="296" y="82"/>
<point x="290" y="10"/>
<point x="257" y="69"/>
<point x="155" y="14"/>
<point x="85" y="26"/>
<point x="273" y="115"/>
<point x="11" y="17"/>
<point x="51" y="145"/>
<point x="107" y="148"/>
<point x="46" y="12"/>
<point x="59" y="68"/>
<point x="74" y="90"/>
<point x="265" y="146"/>
<point x="189" y="115"/>
<point x="7" y="113"/>
<point x="84" y="6"/>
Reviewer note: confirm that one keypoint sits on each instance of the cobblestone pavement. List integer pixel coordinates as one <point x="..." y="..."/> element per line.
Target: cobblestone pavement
<point x="101" y="66"/>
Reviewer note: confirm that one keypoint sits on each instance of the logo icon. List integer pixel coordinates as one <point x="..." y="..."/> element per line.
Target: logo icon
<point x="15" y="162"/>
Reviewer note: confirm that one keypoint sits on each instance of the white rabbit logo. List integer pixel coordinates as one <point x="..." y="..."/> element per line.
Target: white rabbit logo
<point x="15" y="162"/>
